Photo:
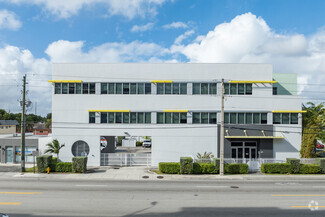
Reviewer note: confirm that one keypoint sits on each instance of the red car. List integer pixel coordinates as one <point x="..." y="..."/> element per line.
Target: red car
<point x="320" y="146"/>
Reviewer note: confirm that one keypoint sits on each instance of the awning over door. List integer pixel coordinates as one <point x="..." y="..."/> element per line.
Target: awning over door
<point x="251" y="132"/>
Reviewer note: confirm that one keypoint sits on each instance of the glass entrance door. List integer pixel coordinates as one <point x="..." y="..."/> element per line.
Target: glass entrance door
<point x="244" y="150"/>
<point x="9" y="154"/>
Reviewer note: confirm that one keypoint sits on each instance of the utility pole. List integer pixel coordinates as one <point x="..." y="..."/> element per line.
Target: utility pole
<point x="222" y="129"/>
<point x="23" y="122"/>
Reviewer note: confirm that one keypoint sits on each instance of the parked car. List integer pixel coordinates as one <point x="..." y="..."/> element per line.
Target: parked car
<point x="146" y="144"/>
<point x="320" y="146"/>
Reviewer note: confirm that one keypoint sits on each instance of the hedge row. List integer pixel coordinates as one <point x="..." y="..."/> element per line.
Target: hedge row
<point x="78" y="165"/>
<point x="186" y="166"/>
<point x="285" y="168"/>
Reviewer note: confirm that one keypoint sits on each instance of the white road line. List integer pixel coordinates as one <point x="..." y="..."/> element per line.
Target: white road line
<point x="215" y="186"/>
<point x="91" y="185"/>
<point x="318" y="186"/>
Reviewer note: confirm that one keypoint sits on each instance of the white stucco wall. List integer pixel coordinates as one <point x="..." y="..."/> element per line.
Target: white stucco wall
<point x="70" y="112"/>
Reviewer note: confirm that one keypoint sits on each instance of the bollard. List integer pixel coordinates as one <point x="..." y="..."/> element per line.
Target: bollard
<point x="48" y="170"/>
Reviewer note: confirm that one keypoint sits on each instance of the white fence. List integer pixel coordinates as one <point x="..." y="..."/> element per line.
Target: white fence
<point x="125" y="159"/>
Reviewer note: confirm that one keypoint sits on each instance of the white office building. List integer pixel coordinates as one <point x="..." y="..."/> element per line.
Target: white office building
<point x="178" y="106"/>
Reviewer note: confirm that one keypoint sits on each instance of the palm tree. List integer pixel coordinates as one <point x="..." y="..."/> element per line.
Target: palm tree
<point x="54" y="147"/>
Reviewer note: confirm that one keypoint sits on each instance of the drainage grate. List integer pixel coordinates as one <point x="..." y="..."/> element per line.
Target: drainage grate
<point x="234" y="187"/>
<point x="145" y="177"/>
<point x="160" y="177"/>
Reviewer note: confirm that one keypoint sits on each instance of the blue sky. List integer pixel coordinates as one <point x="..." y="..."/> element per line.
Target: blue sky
<point x="34" y="33"/>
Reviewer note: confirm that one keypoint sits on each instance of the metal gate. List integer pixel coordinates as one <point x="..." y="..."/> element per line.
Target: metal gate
<point x="125" y="159"/>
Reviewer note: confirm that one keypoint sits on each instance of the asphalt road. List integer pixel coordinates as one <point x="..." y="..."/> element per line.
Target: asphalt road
<point x="39" y="197"/>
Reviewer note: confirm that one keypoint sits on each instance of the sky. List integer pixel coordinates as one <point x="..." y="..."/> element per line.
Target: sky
<point x="34" y="34"/>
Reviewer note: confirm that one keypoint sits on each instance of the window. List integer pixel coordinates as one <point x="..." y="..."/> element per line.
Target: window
<point x="118" y="88"/>
<point x="78" y="88"/>
<point x="196" y="88"/>
<point x="160" y="88"/>
<point x="111" y="118"/>
<point x="103" y="118"/>
<point x="241" y="118"/>
<point x="133" y="117"/>
<point x="57" y="89"/>
<point x="285" y="118"/>
<point x="140" y="88"/>
<point x="240" y="89"/>
<point x="245" y="118"/>
<point x="92" y="88"/>
<point x="204" y="118"/>
<point x="140" y="118"/>
<point x="126" y="88"/>
<point x="147" y="88"/>
<point x="204" y="88"/>
<point x="64" y="88"/>
<point x="275" y="91"/>
<point x="196" y="118"/>
<point x="103" y="88"/>
<point x="276" y="118"/>
<point x="85" y="88"/>
<point x="172" y="88"/>
<point x="256" y="118"/>
<point x="118" y="117"/>
<point x="212" y="118"/>
<point x="133" y="88"/>
<point x="171" y="117"/>
<point x="111" y="88"/>
<point x="183" y="88"/>
<point x="80" y="148"/>
<point x="294" y="118"/>
<point x="263" y="118"/>
<point x="126" y="117"/>
<point x="148" y="117"/>
<point x="92" y="118"/>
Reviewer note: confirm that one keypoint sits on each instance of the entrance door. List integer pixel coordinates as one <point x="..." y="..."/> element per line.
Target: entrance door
<point x="9" y="154"/>
<point x="244" y="150"/>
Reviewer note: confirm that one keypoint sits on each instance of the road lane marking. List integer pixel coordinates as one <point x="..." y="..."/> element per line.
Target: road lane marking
<point x="91" y="185"/>
<point x="307" y="206"/>
<point x="9" y="203"/>
<point x="21" y="192"/>
<point x="298" y="195"/>
<point x="216" y="186"/>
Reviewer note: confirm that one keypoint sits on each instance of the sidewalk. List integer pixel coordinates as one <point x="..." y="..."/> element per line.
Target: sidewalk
<point x="144" y="173"/>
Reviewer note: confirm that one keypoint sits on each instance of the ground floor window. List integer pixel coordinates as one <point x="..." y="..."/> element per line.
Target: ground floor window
<point x="28" y="154"/>
<point x="244" y="150"/>
<point x="80" y="148"/>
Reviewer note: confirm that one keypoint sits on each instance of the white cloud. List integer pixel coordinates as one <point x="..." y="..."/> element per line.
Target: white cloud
<point x="248" y="39"/>
<point x="14" y="63"/>
<point x="66" y="51"/>
<point x="68" y="8"/>
<point x="176" y="25"/>
<point x="143" y="28"/>
<point x="180" y="38"/>
<point x="9" y="20"/>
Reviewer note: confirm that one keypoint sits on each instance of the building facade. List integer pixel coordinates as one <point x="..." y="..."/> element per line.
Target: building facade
<point x="8" y="126"/>
<point x="178" y="106"/>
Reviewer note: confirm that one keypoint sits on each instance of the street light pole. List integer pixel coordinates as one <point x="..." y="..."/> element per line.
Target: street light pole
<point x="22" y="148"/>
<point x="222" y="129"/>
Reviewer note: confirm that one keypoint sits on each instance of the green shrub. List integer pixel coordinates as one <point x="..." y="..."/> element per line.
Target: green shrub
<point x="64" y="167"/>
<point x="169" y="167"/>
<point x="282" y="168"/>
<point x="186" y="165"/>
<point x="196" y="168"/>
<point x="79" y="164"/>
<point x="295" y="164"/>
<point x="139" y="144"/>
<point x="53" y="163"/>
<point x="309" y="169"/>
<point x="208" y="168"/>
<point x="236" y="168"/>
<point x="216" y="162"/>
<point x="321" y="164"/>
<point x="43" y="162"/>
